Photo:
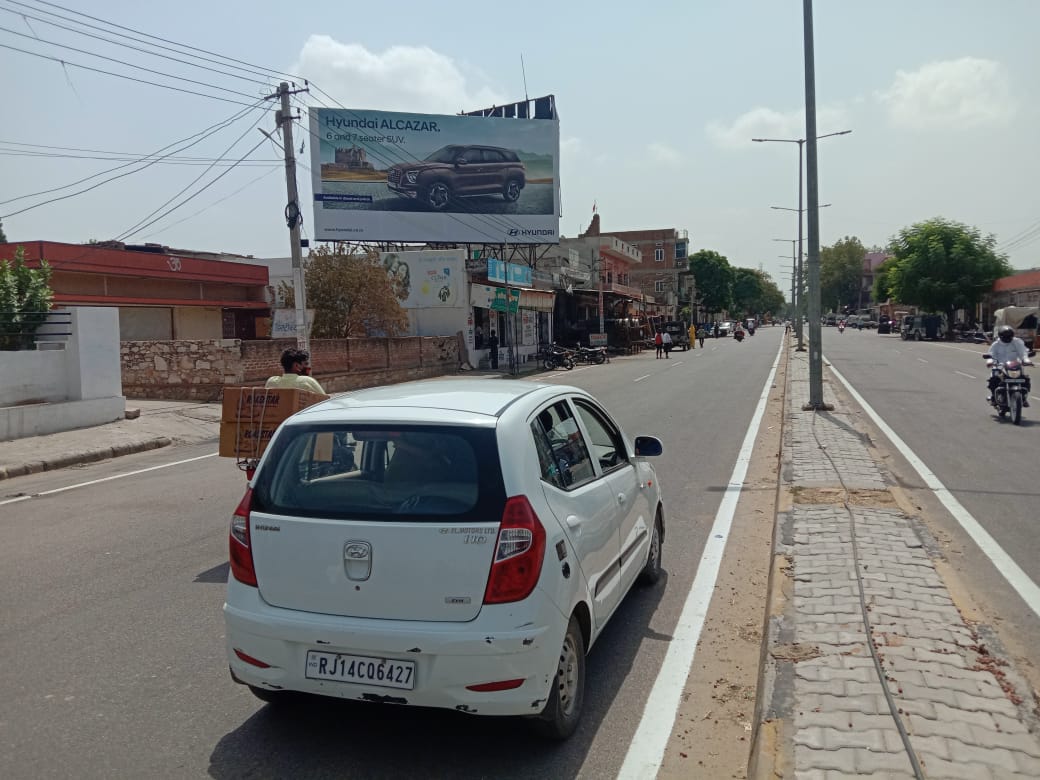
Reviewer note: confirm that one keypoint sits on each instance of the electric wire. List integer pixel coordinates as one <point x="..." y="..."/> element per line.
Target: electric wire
<point x="68" y="64"/>
<point x="191" y="197"/>
<point x="26" y="16"/>
<point x="147" y="163"/>
<point x="196" y="161"/>
<point x="127" y="64"/>
<point x="138" y="225"/>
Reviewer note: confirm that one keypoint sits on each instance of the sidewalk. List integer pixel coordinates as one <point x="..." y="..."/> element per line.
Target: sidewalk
<point x="853" y="574"/>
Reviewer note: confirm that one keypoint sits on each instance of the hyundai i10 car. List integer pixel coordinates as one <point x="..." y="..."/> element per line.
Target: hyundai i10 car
<point x="457" y="544"/>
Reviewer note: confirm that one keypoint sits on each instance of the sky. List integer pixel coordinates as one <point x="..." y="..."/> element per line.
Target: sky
<point x="658" y="102"/>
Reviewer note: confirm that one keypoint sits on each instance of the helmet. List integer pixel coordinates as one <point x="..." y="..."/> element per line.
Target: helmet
<point x="1006" y="333"/>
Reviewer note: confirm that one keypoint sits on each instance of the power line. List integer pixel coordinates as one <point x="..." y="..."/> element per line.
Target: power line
<point x="202" y="135"/>
<point x="26" y="16"/>
<point x="129" y="78"/>
<point x="138" y="226"/>
<point x="115" y="157"/>
<point x="124" y="62"/>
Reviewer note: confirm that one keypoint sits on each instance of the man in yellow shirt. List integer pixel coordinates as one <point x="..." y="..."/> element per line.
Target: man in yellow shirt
<point x="296" y="365"/>
<point x="693" y="336"/>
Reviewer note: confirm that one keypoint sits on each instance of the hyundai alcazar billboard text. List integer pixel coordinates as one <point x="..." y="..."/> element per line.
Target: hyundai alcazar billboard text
<point x="386" y="176"/>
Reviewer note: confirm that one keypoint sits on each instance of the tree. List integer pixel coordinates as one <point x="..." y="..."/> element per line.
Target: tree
<point x="3" y="236"/>
<point x="25" y="300"/>
<point x="352" y="295"/>
<point x="882" y="289"/>
<point x="747" y="289"/>
<point x="714" y="280"/>
<point x="942" y="265"/>
<point x="841" y="273"/>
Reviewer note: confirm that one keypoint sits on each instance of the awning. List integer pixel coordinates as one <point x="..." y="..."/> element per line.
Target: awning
<point x="537" y="300"/>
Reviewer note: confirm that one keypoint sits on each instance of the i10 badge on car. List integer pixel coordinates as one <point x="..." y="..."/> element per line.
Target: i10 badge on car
<point x="458" y="544"/>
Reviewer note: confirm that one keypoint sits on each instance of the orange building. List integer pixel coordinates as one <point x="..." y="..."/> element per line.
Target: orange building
<point x="160" y="293"/>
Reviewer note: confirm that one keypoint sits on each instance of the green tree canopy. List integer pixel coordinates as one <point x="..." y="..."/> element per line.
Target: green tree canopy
<point x="882" y="289"/>
<point x="351" y="294"/>
<point x="3" y="236"/>
<point x="25" y="300"/>
<point x="714" y="280"/>
<point x="755" y="293"/>
<point x="841" y="272"/>
<point x="942" y="265"/>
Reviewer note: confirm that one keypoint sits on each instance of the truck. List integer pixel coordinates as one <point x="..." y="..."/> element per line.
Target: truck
<point x="1022" y="318"/>
<point x="680" y="333"/>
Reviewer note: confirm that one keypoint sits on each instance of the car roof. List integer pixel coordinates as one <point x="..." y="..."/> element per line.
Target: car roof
<point x="457" y="401"/>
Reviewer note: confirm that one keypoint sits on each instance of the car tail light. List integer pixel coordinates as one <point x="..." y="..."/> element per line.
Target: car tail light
<point x="252" y="661"/>
<point x="241" y="551"/>
<point x="518" y="554"/>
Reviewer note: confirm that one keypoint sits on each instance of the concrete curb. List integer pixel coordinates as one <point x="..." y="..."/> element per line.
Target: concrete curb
<point x="82" y="456"/>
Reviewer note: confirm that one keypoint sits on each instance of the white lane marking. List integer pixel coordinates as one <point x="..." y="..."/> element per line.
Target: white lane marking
<point x="1012" y="572"/>
<point x="677" y="363"/>
<point x="967" y="375"/>
<point x="107" y="479"/>
<point x="1034" y="398"/>
<point x="646" y="751"/>
<point x="640" y="379"/>
<point x="922" y="360"/>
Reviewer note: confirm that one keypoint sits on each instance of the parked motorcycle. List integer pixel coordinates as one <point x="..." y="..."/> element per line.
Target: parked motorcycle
<point x="592" y="355"/>
<point x="1011" y="389"/>
<point x="556" y="357"/>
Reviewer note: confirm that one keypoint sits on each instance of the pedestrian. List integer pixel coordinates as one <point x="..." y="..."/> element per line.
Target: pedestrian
<point x="666" y="343"/>
<point x="716" y="329"/>
<point x="701" y="334"/>
<point x="659" y="344"/>
<point x="493" y="349"/>
<point x="693" y="335"/>
<point x="296" y="372"/>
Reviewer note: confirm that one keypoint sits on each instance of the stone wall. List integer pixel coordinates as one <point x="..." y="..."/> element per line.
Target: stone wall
<point x="198" y="370"/>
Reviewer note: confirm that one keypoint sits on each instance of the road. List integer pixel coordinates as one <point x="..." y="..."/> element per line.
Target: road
<point x="111" y="594"/>
<point x="933" y="395"/>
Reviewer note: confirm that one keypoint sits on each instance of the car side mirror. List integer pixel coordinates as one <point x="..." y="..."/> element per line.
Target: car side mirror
<point x="461" y="161"/>
<point x="648" y="446"/>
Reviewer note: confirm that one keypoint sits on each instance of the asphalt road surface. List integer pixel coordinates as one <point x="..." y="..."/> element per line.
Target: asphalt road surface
<point x="113" y="643"/>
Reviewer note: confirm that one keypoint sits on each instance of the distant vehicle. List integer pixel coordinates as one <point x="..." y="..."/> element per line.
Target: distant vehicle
<point x="884" y="325"/>
<point x="725" y="328"/>
<point x="924" y="326"/>
<point x="831" y="320"/>
<point x="1022" y="318"/>
<point x="680" y="333"/>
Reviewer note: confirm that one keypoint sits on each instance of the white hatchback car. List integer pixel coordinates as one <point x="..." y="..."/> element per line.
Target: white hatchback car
<point x="455" y="544"/>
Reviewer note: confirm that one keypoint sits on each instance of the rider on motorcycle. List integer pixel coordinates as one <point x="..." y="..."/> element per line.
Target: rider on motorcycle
<point x="1004" y="348"/>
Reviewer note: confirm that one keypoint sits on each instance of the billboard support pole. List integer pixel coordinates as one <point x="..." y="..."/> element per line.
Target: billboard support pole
<point x="293" y="216"/>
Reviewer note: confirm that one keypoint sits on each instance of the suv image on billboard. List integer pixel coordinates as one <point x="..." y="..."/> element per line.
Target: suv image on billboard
<point x="456" y="171"/>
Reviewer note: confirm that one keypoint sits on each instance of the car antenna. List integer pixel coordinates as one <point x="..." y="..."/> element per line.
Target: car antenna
<point x="524" y="72"/>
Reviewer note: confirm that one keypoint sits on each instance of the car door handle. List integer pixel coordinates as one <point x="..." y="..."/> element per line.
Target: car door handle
<point x="573" y="521"/>
<point x="621" y="498"/>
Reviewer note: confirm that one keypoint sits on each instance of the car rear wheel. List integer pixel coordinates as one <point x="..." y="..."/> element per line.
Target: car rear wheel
<point x="562" y="711"/>
<point x="511" y="190"/>
<point x="437" y="196"/>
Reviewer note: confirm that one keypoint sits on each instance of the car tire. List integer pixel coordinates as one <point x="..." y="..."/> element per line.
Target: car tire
<point x="562" y="711"/>
<point x="651" y="572"/>
<point x="511" y="190"/>
<point x="437" y="195"/>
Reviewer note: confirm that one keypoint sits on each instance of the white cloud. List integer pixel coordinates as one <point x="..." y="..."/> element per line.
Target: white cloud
<point x="766" y="123"/>
<point x="402" y="78"/>
<point x="953" y="93"/>
<point x="662" y="153"/>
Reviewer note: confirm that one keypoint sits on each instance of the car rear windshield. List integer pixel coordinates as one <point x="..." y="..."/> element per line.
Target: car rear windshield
<point x="394" y="473"/>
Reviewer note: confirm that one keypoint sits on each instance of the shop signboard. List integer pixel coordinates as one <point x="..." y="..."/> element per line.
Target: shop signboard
<point x="392" y="176"/>
<point x="485" y="296"/>
<point x="513" y="274"/>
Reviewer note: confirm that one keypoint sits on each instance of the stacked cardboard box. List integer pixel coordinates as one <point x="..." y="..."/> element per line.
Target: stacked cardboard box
<point x="250" y="416"/>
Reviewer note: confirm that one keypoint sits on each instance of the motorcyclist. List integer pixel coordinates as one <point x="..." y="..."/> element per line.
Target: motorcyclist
<point x="1008" y="347"/>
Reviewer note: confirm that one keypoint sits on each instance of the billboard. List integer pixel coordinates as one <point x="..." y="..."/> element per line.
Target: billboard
<point x="390" y="176"/>
<point x="429" y="279"/>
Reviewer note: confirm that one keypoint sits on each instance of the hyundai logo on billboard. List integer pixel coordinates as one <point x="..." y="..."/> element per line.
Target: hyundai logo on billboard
<point x="394" y="176"/>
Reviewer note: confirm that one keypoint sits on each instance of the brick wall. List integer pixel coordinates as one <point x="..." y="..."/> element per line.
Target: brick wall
<point x="198" y="370"/>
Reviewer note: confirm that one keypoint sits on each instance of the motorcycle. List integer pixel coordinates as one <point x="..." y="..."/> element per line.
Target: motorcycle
<point x="555" y="357"/>
<point x="1011" y="389"/>
<point x="841" y="327"/>
<point x="596" y="355"/>
<point x="739" y="335"/>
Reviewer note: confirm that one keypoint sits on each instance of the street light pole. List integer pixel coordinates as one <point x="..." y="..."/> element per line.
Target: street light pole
<point x="794" y="273"/>
<point x="813" y="259"/>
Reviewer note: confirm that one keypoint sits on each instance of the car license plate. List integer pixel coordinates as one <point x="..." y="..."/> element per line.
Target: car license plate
<point x="360" y="669"/>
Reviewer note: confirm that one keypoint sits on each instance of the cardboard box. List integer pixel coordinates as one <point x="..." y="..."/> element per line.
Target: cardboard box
<point x="265" y="404"/>
<point x="245" y="440"/>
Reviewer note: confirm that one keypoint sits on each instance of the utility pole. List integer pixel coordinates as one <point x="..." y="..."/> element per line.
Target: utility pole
<point x="293" y="216"/>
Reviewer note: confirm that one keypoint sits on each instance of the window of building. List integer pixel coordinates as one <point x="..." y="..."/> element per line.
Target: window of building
<point x="659" y="286"/>
<point x="659" y="254"/>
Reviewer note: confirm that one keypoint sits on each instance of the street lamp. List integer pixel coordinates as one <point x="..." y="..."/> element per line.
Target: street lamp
<point x="800" y="142"/>
<point x="794" y="275"/>
<point x="798" y="273"/>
